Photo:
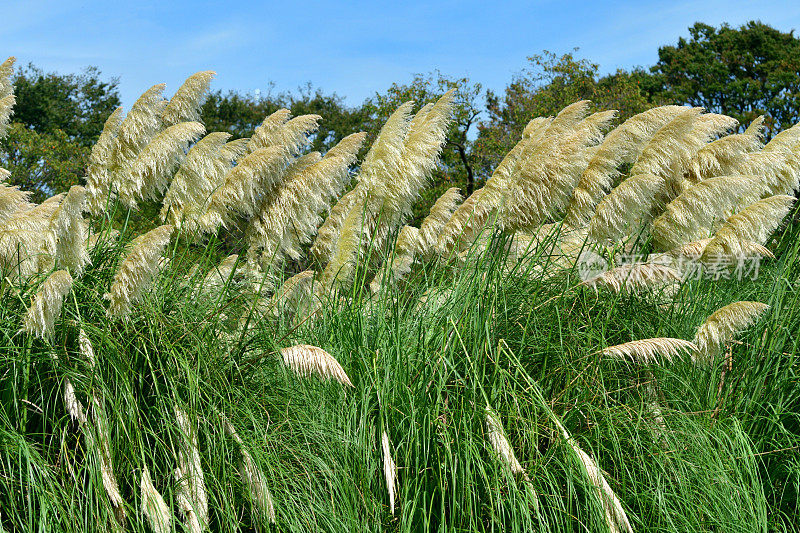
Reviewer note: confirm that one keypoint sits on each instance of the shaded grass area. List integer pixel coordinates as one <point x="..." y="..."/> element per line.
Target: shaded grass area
<point x="425" y="358"/>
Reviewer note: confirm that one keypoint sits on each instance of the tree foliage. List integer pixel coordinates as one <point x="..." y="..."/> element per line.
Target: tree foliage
<point x="744" y="73"/>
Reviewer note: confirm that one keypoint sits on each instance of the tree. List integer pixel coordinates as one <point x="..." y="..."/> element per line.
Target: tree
<point x="457" y="167"/>
<point x="744" y="73"/>
<point x="549" y="84"/>
<point x="57" y="118"/>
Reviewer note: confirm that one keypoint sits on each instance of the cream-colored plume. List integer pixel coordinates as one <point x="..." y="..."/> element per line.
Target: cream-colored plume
<point x="101" y="160"/>
<point x="219" y="275"/>
<point x="72" y="404"/>
<point x="305" y="360"/>
<point x="621" y="145"/>
<point x="103" y="447"/>
<point x="253" y="478"/>
<point x="295" y="295"/>
<point x="292" y="135"/>
<point x="149" y="174"/>
<point x="635" y="277"/>
<point x="722" y="157"/>
<point x="46" y="306"/>
<point x="389" y="469"/>
<point x="137" y="270"/>
<point x="342" y="265"/>
<point x="787" y="140"/>
<point x="723" y="324"/>
<point x="184" y="106"/>
<point x="666" y="145"/>
<point x="141" y="124"/>
<point x="616" y="518"/>
<point x="6" y="70"/>
<point x="328" y="233"/>
<point x="12" y="200"/>
<point x="289" y="218"/>
<point x="651" y="350"/>
<point x="246" y="185"/>
<point x="191" y="494"/>
<point x="270" y="125"/>
<point x="64" y="243"/>
<point x="698" y="210"/>
<point x="753" y="225"/>
<point x="626" y="209"/>
<point x="502" y="448"/>
<point x="154" y="507"/>
<point x="6" y="109"/>
<point x="440" y="213"/>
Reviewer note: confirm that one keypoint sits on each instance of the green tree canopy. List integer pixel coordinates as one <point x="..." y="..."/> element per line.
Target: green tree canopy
<point x="56" y="120"/>
<point x="742" y="72"/>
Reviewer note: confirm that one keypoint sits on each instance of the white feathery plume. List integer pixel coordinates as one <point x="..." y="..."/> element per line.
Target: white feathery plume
<point x="295" y="295"/>
<point x="666" y="144"/>
<point x="778" y="169"/>
<point x="6" y="70"/>
<point x="328" y="233"/>
<point x="101" y="160"/>
<point x="402" y="258"/>
<point x="73" y="405"/>
<point x="46" y="307"/>
<point x="722" y="157"/>
<point x="86" y="348"/>
<point x="616" y="518"/>
<point x="622" y="145"/>
<point x="720" y="327"/>
<point x="184" y="106"/>
<point x="154" y="507"/>
<point x="626" y="208"/>
<point x="497" y="439"/>
<point x="432" y="226"/>
<point x="270" y="125"/>
<point x="542" y="189"/>
<point x="191" y="494"/>
<point x="292" y="135"/>
<point x="389" y="469"/>
<point x="786" y="140"/>
<point x="141" y="124"/>
<point x="342" y="265"/>
<point x="64" y="243"/>
<point x="21" y="236"/>
<point x="753" y="225"/>
<point x="12" y="200"/>
<point x="305" y="360"/>
<point x="253" y="478"/>
<point x="651" y="350"/>
<point x="568" y="118"/>
<point x="104" y="454"/>
<point x="696" y="211"/>
<point x="137" y="270"/>
<point x="635" y="277"/>
<point x="290" y="217"/>
<point x="6" y="109"/>
<point x="694" y="251"/>
<point x="149" y="174"/>
<point x="246" y="185"/>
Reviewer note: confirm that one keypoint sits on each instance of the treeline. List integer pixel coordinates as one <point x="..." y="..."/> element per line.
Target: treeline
<point x="742" y="72"/>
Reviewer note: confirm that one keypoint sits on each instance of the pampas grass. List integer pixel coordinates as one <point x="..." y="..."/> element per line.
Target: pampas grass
<point x="499" y="443"/>
<point x="305" y="360"/>
<point x="635" y="277"/>
<point x="137" y="270"/>
<point x="154" y="507"/>
<point x="46" y="307"/>
<point x="721" y="326"/>
<point x="651" y="350"/>
<point x="191" y="489"/>
<point x="389" y="469"/>
<point x="184" y="106"/>
<point x="626" y="209"/>
<point x="64" y="243"/>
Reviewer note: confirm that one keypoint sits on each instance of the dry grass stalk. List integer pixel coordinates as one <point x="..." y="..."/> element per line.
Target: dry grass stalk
<point x="304" y="360"/>
<point x="154" y="507"/>
<point x="389" y="469"/>
<point x="651" y="350"/>
<point x="721" y="326"/>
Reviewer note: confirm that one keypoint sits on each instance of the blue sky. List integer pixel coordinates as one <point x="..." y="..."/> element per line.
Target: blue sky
<point x="355" y="48"/>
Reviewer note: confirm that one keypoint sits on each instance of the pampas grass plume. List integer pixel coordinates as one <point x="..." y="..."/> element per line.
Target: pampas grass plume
<point x="720" y="327"/>
<point x="304" y="360"/>
<point x="154" y="507"/>
<point x="389" y="469"/>
<point x="651" y="350"/>
<point x="46" y="306"/>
